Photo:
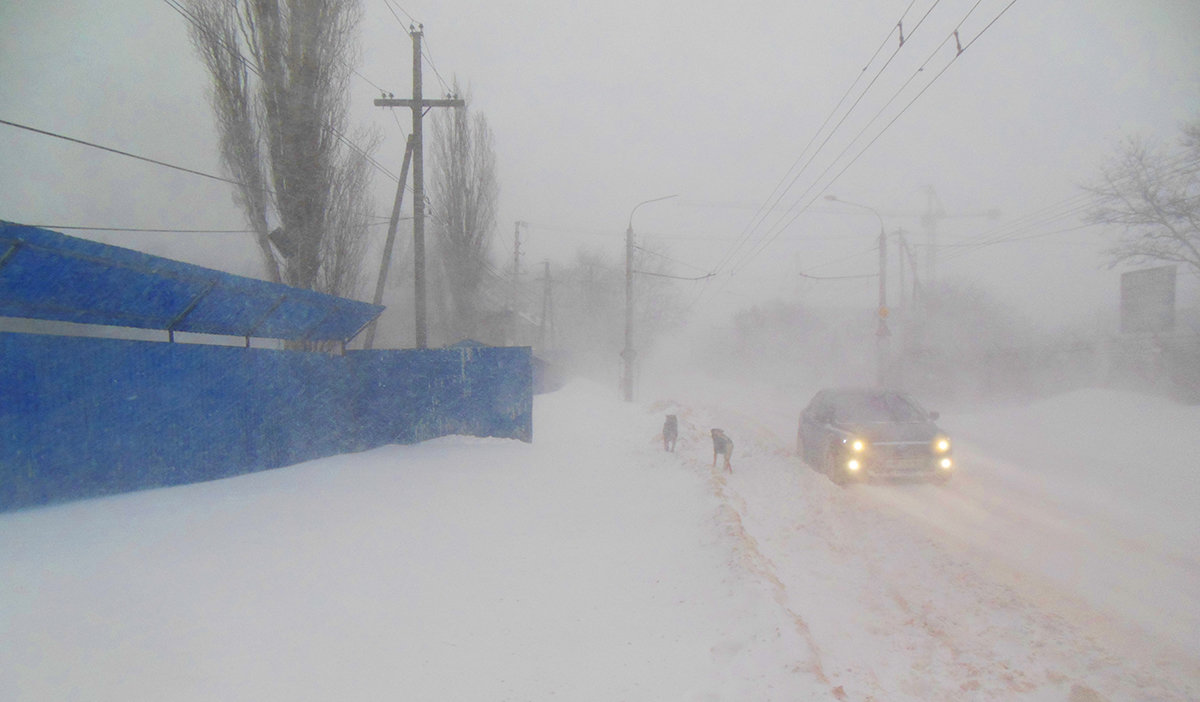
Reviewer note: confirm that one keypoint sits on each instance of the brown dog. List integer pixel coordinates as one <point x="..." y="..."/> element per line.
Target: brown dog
<point x="670" y="433"/>
<point x="722" y="446"/>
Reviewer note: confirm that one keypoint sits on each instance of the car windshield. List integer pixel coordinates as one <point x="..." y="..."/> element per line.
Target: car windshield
<point x="876" y="407"/>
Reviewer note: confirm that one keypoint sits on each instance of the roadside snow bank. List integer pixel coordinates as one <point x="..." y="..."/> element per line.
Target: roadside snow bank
<point x="586" y="566"/>
<point x="1097" y="491"/>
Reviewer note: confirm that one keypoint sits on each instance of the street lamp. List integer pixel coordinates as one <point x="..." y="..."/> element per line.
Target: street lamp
<point x="882" y="332"/>
<point x="628" y="354"/>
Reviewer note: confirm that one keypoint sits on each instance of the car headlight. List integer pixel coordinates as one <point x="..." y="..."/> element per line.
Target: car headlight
<point x="853" y="465"/>
<point x="858" y="445"/>
<point x="946" y="464"/>
<point x="941" y="444"/>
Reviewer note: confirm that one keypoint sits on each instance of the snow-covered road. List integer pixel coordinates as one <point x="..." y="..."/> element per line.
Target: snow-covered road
<point x="591" y="565"/>
<point x="1064" y="556"/>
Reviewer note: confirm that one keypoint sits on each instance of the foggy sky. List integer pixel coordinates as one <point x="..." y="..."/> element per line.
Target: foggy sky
<point x="598" y="106"/>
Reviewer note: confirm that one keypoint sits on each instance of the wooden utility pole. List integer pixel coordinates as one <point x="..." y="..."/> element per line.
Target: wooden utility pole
<point x="386" y="263"/>
<point x="418" y="105"/>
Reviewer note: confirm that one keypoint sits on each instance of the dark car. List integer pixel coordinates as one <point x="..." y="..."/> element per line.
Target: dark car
<point x="856" y="433"/>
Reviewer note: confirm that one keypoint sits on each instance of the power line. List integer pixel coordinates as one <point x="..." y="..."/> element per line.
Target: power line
<point x="706" y="276"/>
<point x="140" y="231"/>
<point x="780" y="190"/>
<point x="159" y="230"/>
<point x="372" y="83"/>
<point x="429" y="58"/>
<point x="668" y="258"/>
<point x="425" y="52"/>
<point x="257" y="71"/>
<point x="838" y="277"/>
<point x="769" y="205"/>
<point x="1019" y="229"/>
<point x="120" y="152"/>
<point x="389" y="4"/>
<point x="797" y="208"/>
<point x="779" y="229"/>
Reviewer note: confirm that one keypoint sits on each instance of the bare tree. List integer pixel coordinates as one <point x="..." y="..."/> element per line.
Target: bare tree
<point x="279" y="71"/>
<point x="589" y="304"/>
<point x="464" y="198"/>
<point x="1153" y="193"/>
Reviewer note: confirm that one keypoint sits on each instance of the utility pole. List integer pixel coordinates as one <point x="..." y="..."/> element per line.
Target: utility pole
<point x="386" y="263"/>
<point x="418" y="105"/>
<point x="547" y="310"/>
<point x="881" y="332"/>
<point x="512" y="307"/>
<point x="628" y="354"/>
<point x="912" y="266"/>
<point x="900" y="265"/>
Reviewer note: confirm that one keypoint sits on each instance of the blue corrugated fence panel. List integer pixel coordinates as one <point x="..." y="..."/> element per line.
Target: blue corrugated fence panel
<point x="48" y="275"/>
<point x="81" y="417"/>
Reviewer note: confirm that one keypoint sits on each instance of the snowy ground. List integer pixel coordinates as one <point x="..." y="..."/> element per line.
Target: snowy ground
<point x="1063" y="563"/>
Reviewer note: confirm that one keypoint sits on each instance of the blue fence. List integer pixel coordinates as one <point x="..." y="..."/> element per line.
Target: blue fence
<point x="81" y="417"/>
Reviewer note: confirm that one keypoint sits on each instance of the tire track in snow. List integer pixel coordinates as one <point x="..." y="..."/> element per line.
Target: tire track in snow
<point x="752" y="558"/>
<point x="952" y="628"/>
<point x="758" y="564"/>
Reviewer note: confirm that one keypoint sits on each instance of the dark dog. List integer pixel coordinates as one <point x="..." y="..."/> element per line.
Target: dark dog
<point x="670" y="433"/>
<point x="722" y="446"/>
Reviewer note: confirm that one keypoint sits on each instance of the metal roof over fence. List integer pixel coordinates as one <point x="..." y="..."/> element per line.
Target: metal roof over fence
<point x="52" y="276"/>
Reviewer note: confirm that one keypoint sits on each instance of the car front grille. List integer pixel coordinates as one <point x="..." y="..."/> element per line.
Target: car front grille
<point x="902" y="457"/>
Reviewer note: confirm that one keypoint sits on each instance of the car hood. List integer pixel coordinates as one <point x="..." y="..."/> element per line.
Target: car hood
<point x="883" y="432"/>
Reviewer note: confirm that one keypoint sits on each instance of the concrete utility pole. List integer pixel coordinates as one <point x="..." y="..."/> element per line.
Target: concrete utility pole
<point x="912" y="266"/>
<point x="512" y="305"/>
<point x="418" y="105"/>
<point x="386" y="263"/>
<point x="628" y="354"/>
<point x="547" y="310"/>
<point x="882" y="332"/>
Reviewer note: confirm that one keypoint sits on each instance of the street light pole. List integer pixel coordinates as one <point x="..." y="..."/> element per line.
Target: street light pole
<point x="628" y="354"/>
<point x="882" y="332"/>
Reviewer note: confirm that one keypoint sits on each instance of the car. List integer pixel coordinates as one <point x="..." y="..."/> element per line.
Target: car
<point x="853" y="434"/>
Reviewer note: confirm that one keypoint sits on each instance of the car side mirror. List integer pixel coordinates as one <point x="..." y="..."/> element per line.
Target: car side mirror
<point x="934" y="416"/>
<point x="825" y="417"/>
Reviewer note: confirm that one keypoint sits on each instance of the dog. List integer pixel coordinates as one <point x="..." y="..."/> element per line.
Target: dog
<point x="670" y="433"/>
<point x="722" y="446"/>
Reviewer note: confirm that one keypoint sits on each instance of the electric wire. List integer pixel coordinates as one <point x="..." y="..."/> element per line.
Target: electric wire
<point x="428" y="54"/>
<point x="838" y="277"/>
<point x="120" y="152"/>
<point x="757" y="221"/>
<point x="140" y="230"/>
<point x="1019" y="229"/>
<point x="672" y="260"/>
<point x="777" y="194"/>
<point x="425" y="52"/>
<point x="706" y="276"/>
<point x="256" y="70"/>
<point x="411" y="19"/>
<point x="158" y="230"/>
<point x="778" y="230"/>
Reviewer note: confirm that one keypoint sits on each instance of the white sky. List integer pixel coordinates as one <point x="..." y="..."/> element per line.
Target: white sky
<point x="598" y="106"/>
